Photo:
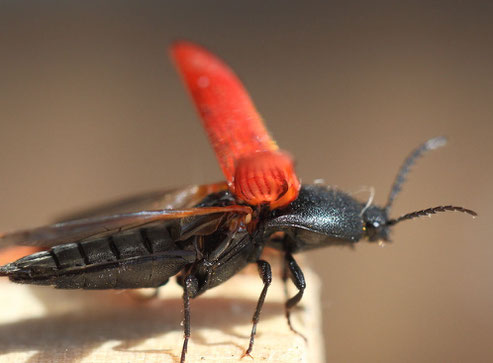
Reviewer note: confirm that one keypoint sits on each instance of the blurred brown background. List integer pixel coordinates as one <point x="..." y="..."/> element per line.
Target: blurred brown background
<point x="91" y="109"/>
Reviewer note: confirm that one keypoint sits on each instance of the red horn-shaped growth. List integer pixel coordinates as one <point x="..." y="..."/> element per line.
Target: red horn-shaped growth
<point x="256" y="170"/>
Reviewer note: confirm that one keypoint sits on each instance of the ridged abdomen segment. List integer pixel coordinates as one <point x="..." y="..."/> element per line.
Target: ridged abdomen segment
<point x="145" y="257"/>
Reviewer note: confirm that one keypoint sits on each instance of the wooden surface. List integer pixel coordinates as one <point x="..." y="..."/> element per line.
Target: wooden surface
<point x="40" y="324"/>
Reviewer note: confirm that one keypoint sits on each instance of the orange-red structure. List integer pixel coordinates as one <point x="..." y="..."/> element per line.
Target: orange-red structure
<point x="256" y="170"/>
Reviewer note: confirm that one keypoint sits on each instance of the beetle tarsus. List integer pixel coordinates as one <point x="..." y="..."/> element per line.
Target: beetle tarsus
<point x="189" y="286"/>
<point x="293" y="270"/>
<point x="265" y="273"/>
<point x="246" y="354"/>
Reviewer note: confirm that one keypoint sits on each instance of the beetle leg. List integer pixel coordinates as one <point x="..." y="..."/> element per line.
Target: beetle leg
<point x="223" y="245"/>
<point x="265" y="273"/>
<point x="190" y="286"/>
<point x="298" y="279"/>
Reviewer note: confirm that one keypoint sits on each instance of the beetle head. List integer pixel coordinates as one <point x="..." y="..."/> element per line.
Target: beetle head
<point x="376" y="225"/>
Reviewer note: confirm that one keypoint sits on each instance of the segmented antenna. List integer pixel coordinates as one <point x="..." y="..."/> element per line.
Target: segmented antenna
<point x="431" y="144"/>
<point x="430" y="211"/>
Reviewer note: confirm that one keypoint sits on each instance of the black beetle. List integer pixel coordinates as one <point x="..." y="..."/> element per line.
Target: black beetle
<point x="205" y="234"/>
<point x="201" y="235"/>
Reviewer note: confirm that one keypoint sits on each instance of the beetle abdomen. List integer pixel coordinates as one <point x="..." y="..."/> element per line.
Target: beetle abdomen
<point x="145" y="257"/>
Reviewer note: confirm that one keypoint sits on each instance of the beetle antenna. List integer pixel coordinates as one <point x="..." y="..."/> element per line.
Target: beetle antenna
<point x="430" y="211"/>
<point x="431" y="144"/>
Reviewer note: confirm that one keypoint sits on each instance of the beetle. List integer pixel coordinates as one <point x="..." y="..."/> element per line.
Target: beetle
<point x="205" y="234"/>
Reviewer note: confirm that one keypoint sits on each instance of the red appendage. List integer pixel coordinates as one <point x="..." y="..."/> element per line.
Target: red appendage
<point x="256" y="170"/>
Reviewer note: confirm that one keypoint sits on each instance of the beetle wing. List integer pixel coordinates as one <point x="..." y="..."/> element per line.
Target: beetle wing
<point x="178" y="198"/>
<point x="79" y="229"/>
